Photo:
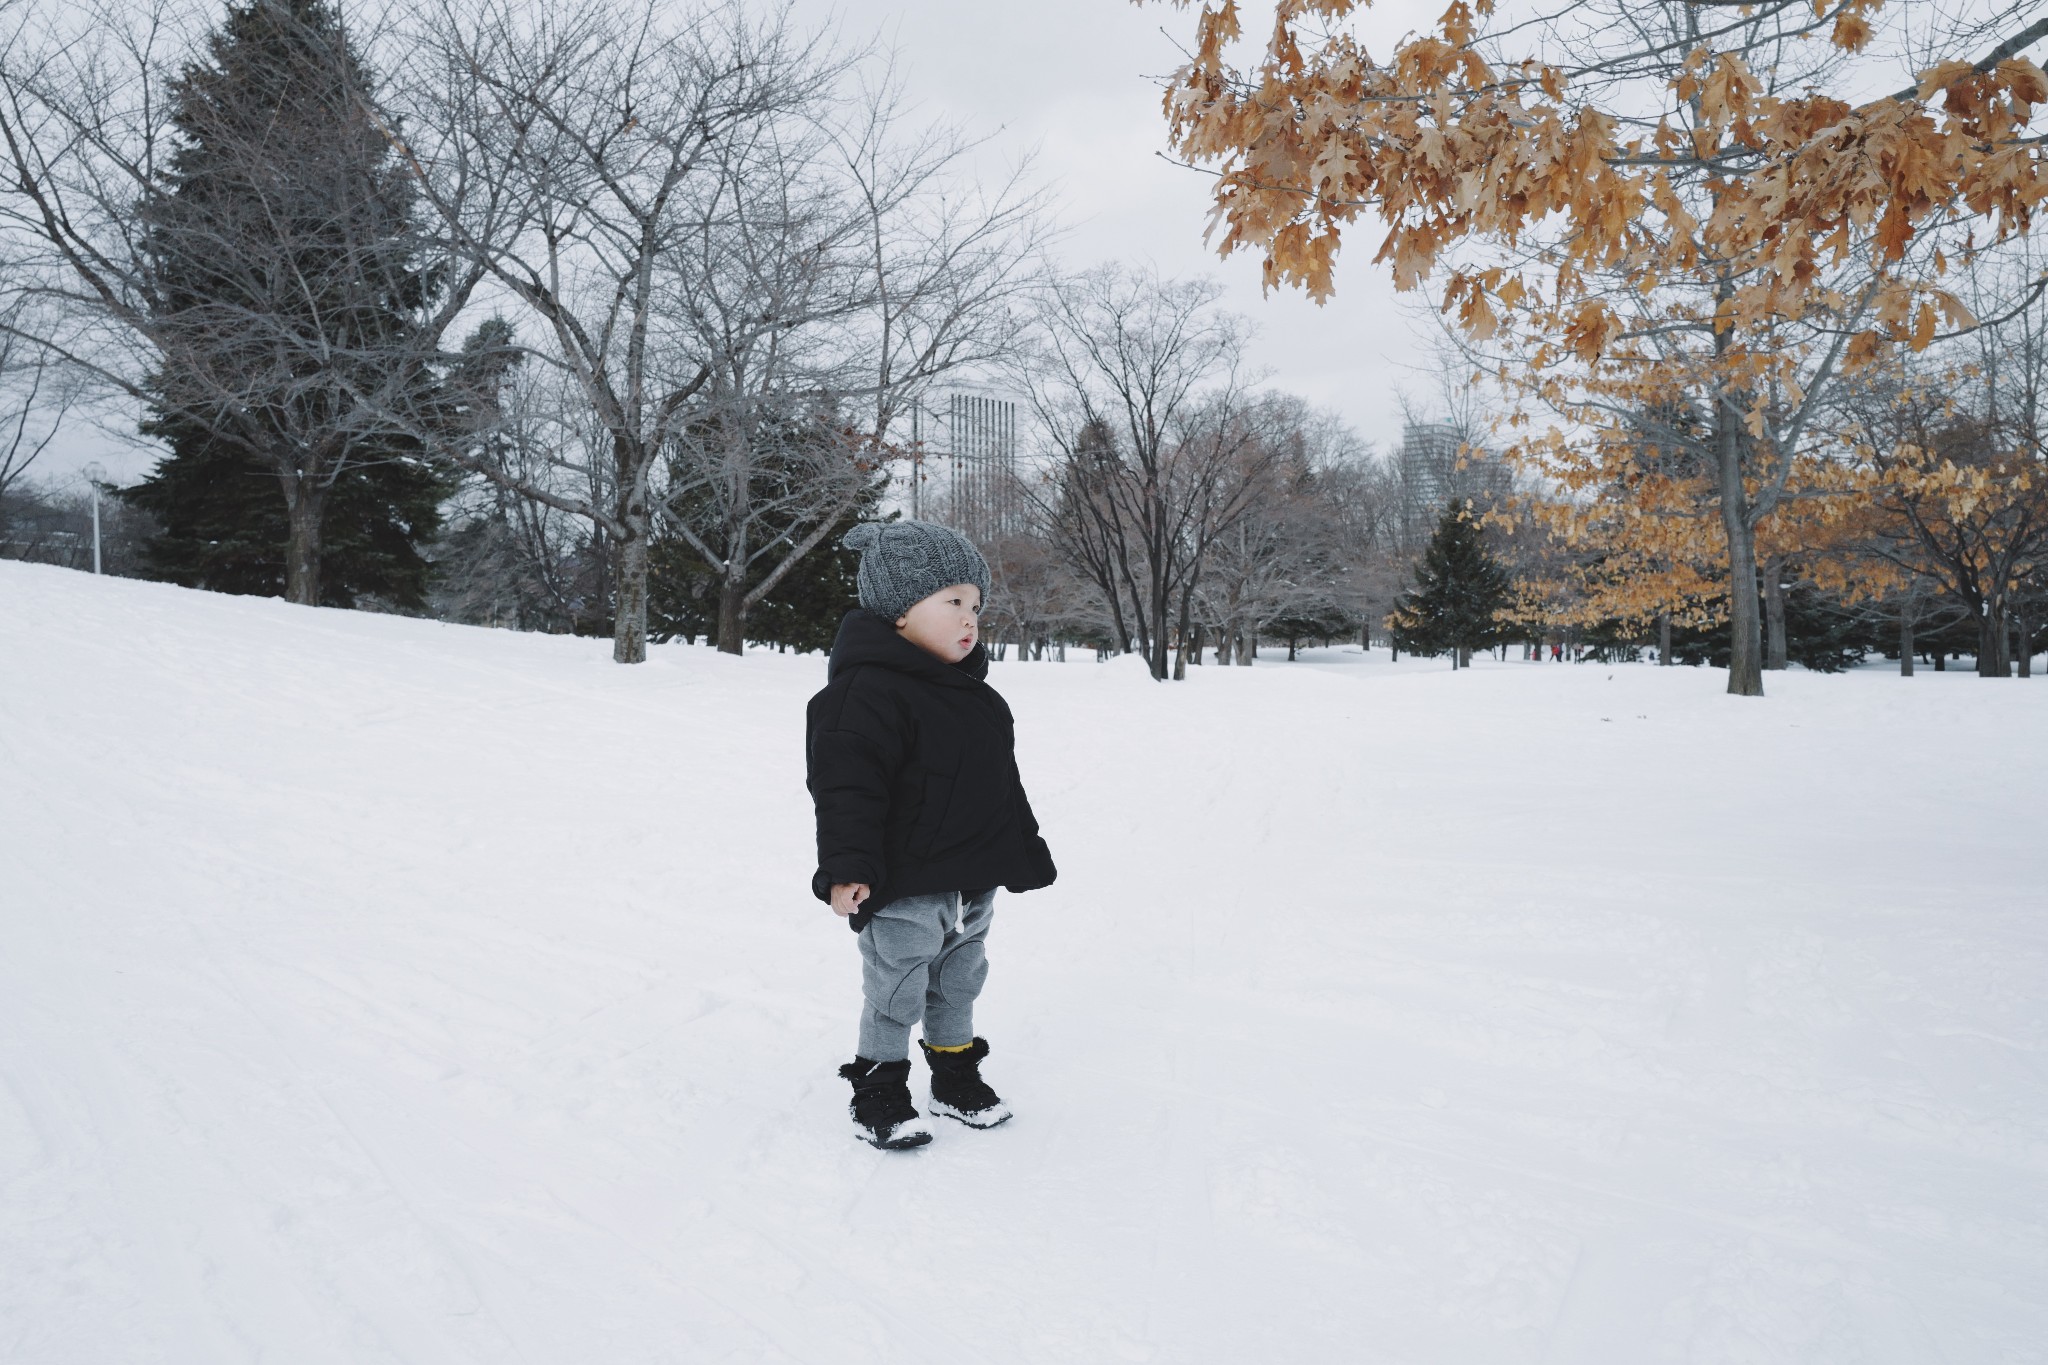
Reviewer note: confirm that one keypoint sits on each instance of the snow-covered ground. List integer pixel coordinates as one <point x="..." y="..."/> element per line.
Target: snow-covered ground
<point x="374" y="990"/>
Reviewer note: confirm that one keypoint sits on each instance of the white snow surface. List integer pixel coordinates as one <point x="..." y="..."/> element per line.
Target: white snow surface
<point x="377" y="990"/>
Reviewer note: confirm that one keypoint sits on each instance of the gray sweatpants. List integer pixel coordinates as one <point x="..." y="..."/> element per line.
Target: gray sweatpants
<point x="922" y="958"/>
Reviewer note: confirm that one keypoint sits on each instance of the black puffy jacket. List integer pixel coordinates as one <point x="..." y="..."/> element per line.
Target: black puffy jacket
<point x="912" y="766"/>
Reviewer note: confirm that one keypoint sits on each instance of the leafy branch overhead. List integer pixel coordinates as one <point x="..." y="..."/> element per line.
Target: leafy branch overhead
<point x="1671" y="233"/>
<point x="1458" y="137"/>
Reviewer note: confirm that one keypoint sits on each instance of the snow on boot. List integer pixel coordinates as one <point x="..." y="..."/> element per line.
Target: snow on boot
<point x="883" y="1115"/>
<point x="958" y="1091"/>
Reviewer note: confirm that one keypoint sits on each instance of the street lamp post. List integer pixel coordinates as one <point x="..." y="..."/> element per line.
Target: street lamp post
<point x="94" y="473"/>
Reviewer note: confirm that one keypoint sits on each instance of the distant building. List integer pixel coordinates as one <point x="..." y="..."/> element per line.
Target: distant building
<point x="966" y="475"/>
<point x="1439" y="461"/>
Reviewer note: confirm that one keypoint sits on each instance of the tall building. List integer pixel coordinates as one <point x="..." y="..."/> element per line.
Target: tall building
<point x="1438" y="461"/>
<point x="967" y="476"/>
<point x="1429" y="462"/>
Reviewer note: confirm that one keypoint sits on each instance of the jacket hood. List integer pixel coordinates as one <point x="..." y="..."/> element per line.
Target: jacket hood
<point x="866" y="638"/>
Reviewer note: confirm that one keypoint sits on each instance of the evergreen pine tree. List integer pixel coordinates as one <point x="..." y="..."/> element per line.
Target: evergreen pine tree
<point x="1821" y="633"/>
<point x="223" y="526"/>
<point x="1459" y="590"/>
<point x="282" y="261"/>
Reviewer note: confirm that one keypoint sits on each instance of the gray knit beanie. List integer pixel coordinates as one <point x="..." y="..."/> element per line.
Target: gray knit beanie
<point x="904" y="562"/>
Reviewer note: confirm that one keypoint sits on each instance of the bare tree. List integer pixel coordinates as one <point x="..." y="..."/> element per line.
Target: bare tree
<point x="885" y="268"/>
<point x="1138" y="381"/>
<point x="1038" y="601"/>
<point x="1962" y="502"/>
<point x="505" y="558"/>
<point x="35" y="396"/>
<point x="1307" y="546"/>
<point x="575" y="156"/>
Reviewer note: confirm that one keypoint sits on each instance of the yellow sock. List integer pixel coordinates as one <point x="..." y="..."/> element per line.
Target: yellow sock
<point x="962" y="1048"/>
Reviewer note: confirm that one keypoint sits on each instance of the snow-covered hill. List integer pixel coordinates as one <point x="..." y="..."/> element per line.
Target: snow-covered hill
<point x="373" y="990"/>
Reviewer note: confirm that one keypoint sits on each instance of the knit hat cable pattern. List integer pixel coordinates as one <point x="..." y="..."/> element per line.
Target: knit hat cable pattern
<point x="904" y="562"/>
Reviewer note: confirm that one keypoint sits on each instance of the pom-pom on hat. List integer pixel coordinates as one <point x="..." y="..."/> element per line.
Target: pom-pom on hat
<point x="904" y="562"/>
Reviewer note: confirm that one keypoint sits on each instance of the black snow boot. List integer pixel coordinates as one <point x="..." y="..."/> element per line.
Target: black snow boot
<point x="958" y="1091"/>
<point x="883" y="1115"/>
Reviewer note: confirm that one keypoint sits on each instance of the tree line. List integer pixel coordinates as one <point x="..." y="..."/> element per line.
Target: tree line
<point x="608" y="318"/>
<point x="612" y="318"/>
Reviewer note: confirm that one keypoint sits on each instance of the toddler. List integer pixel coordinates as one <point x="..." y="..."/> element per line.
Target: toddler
<point x="921" y="816"/>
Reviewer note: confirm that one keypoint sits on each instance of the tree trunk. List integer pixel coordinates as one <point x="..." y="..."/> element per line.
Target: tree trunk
<point x="1160" y="644"/>
<point x="1663" y="640"/>
<point x="1201" y="643"/>
<point x="1223" y="634"/>
<point x="1745" y="658"/>
<point x="1464" y="656"/>
<point x="1774" y="615"/>
<point x="1114" y="595"/>
<point x="1745" y="655"/>
<point x="1991" y="661"/>
<point x="1247" y="648"/>
<point x="1186" y="634"/>
<point x="2023" y="644"/>
<point x="1905" y="643"/>
<point x="732" y="617"/>
<point x="629" y="620"/>
<point x="304" y="506"/>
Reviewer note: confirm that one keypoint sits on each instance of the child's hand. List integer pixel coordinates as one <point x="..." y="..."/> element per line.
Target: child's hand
<point x="847" y="896"/>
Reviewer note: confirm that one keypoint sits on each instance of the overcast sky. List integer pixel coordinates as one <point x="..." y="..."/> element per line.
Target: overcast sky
<point x="1075" y="83"/>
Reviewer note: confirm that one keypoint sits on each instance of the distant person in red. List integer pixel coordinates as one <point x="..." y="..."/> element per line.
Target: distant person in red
<point x="1557" y="653"/>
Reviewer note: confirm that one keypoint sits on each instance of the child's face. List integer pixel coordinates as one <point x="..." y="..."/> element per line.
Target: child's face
<point x="946" y="624"/>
